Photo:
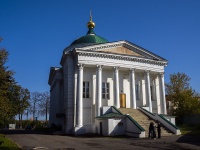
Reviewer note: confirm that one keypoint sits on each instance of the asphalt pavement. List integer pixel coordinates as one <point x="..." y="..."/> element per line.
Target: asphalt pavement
<point x="29" y="140"/>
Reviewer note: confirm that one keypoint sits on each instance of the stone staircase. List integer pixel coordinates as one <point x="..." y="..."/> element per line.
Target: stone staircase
<point x="143" y="120"/>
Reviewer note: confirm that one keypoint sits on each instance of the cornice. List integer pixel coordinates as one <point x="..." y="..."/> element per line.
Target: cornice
<point x="52" y="74"/>
<point x="120" y="57"/>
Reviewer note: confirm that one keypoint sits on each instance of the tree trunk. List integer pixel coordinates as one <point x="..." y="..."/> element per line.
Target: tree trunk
<point x="27" y="115"/>
<point x="19" y="120"/>
<point x="46" y="112"/>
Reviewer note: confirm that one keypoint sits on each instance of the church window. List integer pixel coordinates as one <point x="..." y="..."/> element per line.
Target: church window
<point x="105" y="90"/>
<point x="85" y="89"/>
<point x="152" y="92"/>
<point x="137" y="92"/>
<point x="151" y="87"/>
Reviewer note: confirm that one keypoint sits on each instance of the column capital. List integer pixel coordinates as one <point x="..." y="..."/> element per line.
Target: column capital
<point x="80" y="66"/>
<point x="99" y="67"/>
<point x="147" y="72"/>
<point x="116" y="69"/>
<point x="162" y="74"/>
<point x="132" y="69"/>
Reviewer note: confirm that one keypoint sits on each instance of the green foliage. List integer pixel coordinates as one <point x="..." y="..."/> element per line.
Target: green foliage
<point x="6" y="82"/>
<point x="32" y="123"/>
<point x="6" y="144"/>
<point x="13" y="98"/>
<point x="190" y="130"/>
<point x="183" y="97"/>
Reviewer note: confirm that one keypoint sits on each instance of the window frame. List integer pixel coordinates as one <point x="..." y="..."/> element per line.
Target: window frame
<point x="105" y="90"/>
<point x="137" y="92"/>
<point x="86" y="89"/>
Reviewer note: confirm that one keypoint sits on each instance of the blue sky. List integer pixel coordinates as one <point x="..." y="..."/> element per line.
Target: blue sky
<point x="35" y="32"/>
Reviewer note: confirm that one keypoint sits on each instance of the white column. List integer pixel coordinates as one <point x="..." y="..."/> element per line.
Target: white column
<point x="163" y="93"/>
<point x="79" y="100"/>
<point x="98" y="90"/>
<point x="143" y="92"/>
<point x="148" y="90"/>
<point x="116" y="87"/>
<point x="132" y="83"/>
<point x="158" y="99"/>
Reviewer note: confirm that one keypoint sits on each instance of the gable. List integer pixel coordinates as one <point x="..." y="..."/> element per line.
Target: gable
<point x="121" y="50"/>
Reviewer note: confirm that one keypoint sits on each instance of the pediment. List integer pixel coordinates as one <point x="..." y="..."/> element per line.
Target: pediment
<point x="125" y="48"/>
<point x="121" y="50"/>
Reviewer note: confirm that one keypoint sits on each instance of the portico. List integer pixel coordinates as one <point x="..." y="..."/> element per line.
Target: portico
<point x="123" y="80"/>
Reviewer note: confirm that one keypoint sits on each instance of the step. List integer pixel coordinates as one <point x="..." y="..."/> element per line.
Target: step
<point x="143" y="120"/>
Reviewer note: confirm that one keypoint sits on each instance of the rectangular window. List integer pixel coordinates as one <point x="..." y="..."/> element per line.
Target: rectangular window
<point x="152" y="92"/>
<point x="105" y="90"/>
<point x="137" y="92"/>
<point x="85" y="89"/>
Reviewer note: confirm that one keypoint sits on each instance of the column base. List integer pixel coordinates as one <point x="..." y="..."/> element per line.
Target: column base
<point x="78" y="130"/>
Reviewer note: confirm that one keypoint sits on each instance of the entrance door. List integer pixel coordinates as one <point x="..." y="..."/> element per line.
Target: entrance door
<point x="122" y="100"/>
<point x="101" y="128"/>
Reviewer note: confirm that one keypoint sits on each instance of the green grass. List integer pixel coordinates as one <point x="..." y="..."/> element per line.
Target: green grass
<point x="190" y="129"/>
<point x="7" y="144"/>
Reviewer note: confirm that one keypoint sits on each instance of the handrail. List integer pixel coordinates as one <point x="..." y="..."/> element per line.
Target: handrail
<point x="135" y="122"/>
<point x="147" y="111"/>
<point x="161" y="116"/>
<point x="130" y="118"/>
<point x="163" y="120"/>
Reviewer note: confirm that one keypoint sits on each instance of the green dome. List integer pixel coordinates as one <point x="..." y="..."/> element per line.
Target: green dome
<point x="90" y="37"/>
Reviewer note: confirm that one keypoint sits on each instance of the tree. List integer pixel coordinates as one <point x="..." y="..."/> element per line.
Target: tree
<point x="44" y="105"/>
<point x="36" y="98"/>
<point x="178" y="82"/>
<point x="6" y="83"/>
<point x="184" y="99"/>
<point x="13" y="98"/>
<point x="40" y="104"/>
<point x="23" y="103"/>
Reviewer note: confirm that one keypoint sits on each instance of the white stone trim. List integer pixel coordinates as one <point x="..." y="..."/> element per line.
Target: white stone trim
<point x="120" y="57"/>
<point x="107" y="62"/>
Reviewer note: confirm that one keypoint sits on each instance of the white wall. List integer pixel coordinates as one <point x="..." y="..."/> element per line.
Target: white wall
<point x="115" y="127"/>
<point x="69" y="71"/>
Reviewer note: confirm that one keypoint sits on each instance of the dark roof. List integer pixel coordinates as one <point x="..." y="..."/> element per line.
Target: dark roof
<point x="90" y="37"/>
<point x="110" y="115"/>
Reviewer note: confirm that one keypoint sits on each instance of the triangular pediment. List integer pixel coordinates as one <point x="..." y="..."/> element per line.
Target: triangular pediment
<point x="121" y="50"/>
<point x="124" y="48"/>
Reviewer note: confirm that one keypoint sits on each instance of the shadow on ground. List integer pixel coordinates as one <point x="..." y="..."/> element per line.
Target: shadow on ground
<point x="22" y="131"/>
<point x="189" y="139"/>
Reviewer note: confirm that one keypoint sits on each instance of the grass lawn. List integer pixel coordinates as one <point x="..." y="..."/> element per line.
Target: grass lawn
<point x="190" y="129"/>
<point x="6" y="144"/>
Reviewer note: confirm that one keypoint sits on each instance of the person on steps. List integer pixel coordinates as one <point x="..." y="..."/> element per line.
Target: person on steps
<point x="159" y="130"/>
<point x="151" y="129"/>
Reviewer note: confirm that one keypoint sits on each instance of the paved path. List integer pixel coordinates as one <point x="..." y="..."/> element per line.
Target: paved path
<point x="29" y="140"/>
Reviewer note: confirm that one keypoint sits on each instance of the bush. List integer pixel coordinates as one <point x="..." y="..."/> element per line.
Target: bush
<point x="34" y="123"/>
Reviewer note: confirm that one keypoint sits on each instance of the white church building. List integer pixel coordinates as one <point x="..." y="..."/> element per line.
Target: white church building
<point x="101" y="83"/>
